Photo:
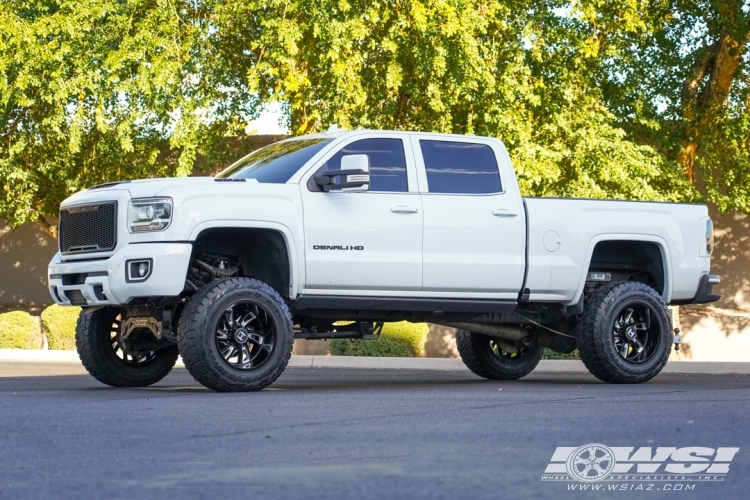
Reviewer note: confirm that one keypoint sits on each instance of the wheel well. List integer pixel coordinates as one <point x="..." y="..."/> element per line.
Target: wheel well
<point x="262" y="253"/>
<point x="626" y="260"/>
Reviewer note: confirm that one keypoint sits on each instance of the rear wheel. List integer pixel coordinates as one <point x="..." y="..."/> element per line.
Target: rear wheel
<point x="107" y="358"/>
<point x="486" y="356"/>
<point x="625" y="334"/>
<point x="235" y="335"/>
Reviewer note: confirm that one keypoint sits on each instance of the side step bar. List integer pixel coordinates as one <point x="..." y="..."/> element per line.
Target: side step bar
<point x="334" y="302"/>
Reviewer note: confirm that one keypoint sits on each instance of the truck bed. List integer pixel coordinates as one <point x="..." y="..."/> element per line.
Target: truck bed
<point x="563" y="233"/>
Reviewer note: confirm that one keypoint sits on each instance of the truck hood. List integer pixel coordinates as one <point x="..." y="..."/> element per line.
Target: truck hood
<point x="144" y="188"/>
<point x="153" y="187"/>
<point x="148" y="188"/>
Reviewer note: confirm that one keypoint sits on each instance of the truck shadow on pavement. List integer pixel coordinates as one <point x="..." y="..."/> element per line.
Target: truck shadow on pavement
<point x="36" y="379"/>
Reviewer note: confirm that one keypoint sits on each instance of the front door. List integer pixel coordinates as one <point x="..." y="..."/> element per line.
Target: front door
<point x="365" y="242"/>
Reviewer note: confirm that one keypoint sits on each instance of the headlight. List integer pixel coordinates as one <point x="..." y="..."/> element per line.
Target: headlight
<point x="149" y="214"/>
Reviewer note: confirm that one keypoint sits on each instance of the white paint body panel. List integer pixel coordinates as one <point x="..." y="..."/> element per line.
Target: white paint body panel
<point x="452" y="246"/>
<point x="468" y="249"/>
<point x="390" y="257"/>
<point x="169" y="260"/>
<point x="581" y="224"/>
<point x="386" y="226"/>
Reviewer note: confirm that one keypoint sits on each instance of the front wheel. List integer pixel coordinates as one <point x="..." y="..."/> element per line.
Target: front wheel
<point x="105" y="356"/>
<point x="236" y="334"/>
<point x="625" y="333"/>
<point x="486" y="357"/>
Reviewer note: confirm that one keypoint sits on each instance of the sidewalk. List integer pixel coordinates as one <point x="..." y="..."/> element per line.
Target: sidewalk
<point x="440" y="364"/>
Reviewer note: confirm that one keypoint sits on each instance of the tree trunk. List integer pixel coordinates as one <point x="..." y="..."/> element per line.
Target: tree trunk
<point x="704" y="94"/>
<point x="403" y="98"/>
<point x="45" y="226"/>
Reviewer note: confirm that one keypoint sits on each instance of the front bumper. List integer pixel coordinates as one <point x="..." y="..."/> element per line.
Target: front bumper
<point x="102" y="282"/>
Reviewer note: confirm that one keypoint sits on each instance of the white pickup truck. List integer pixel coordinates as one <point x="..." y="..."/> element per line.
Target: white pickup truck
<point x="330" y="235"/>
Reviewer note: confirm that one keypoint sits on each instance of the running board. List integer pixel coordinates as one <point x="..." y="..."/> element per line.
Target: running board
<point x="338" y="302"/>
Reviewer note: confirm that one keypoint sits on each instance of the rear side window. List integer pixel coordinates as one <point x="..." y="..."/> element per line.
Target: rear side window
<point x="387" y="163"/>
<point x="460" y="167"/>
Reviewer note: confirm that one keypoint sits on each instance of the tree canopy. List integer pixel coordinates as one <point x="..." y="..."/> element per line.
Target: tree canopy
<point x="631" y="99"/>
<point x="99" y="90"/>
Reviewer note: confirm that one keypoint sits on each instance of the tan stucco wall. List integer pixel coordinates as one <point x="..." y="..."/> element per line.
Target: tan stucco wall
<point x="716" y="333"/>
<point x="24" y="255"/>
<point x="721" y="331"/>
<point x="731" y="259"/>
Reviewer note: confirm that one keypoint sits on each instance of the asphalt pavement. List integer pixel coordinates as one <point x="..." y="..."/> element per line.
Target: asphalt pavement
<point x="344" y="433"/>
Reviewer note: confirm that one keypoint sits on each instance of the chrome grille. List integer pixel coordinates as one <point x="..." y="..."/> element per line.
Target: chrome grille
<point x="90" y="228"/>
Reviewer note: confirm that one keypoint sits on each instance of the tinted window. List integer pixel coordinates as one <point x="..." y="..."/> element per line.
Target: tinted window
<point x="276" y="163"/>
<point x="460" y="167"/>
<point x="387" y="163"/>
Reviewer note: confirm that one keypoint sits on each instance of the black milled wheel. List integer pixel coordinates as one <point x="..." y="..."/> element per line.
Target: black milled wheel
<point x="625" y="334"/>
<point x="483" y="356"/>
<point x="102" y="354"/>
<point x="236" y="334"/>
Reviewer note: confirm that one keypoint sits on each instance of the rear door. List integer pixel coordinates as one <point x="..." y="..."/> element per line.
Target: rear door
<point x="365" y="242"/>
<point x="474" y="231"/>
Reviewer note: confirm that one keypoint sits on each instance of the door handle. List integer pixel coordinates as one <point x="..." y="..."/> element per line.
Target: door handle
<point x="504" y="212"/>
<point x="402" y="209"/>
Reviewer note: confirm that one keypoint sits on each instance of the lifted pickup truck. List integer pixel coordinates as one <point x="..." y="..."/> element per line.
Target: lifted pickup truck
<point x="330" y="235"/>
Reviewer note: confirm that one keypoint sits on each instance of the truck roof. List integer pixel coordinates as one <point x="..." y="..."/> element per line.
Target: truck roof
<point x="333" y="133"/>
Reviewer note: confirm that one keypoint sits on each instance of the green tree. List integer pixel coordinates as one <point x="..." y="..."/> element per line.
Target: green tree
<point x="676" y="73"/>
<point x="98" y="90"/>
<point x="507" y="69"/>
<point x="634" y="99"/>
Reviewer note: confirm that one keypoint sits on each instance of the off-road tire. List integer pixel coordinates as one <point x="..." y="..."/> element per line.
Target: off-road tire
<point x="596" y="344"/>
<point x="94" y="346"/>
<point x="478" y="356"/>
<point x="196" y="335"/>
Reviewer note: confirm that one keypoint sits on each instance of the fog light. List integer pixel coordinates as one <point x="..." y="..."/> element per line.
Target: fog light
<point x="138" y="270"/>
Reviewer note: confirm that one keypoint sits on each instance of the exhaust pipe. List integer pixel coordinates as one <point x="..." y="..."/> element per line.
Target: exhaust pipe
<point x="515" y="333"/>
<point x="508" y="332"/>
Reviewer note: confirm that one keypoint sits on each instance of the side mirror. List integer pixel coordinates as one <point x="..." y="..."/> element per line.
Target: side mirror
<point x="354" y="175"/>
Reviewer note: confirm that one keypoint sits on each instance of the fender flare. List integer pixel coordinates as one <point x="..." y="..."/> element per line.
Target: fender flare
<point x="659" y="241"/>
<point x="293" y="249"/>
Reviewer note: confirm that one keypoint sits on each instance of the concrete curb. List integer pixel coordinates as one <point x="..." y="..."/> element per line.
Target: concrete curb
<point x="439" y="364"/>
<point x="442" y="364"/>
<point x="49" y="356"/>
<point x="38" y="355"/>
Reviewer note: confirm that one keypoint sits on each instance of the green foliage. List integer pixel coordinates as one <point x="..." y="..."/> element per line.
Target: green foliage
<point x="676" y="75"/>
<point x="19" y="330"/>
<point x="499" y="69"/>
<point x="399" y="340"/>
<point x="594" y="99"/>
<point x="549" y="354"/>
<point x="59" y="325"/>
<point x="100" y="90"/>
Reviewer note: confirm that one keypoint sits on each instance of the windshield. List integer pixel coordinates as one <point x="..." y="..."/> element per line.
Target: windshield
<point x="276" y="163"/>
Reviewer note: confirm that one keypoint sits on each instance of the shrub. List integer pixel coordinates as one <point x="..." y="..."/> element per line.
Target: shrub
<point x="398" y="340"/>
<point x="19" y="330"/>
<point x="59" y="324"/>
<point x="549" y="354"/>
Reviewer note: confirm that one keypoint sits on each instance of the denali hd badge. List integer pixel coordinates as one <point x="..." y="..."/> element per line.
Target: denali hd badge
<point x="338" y="247"/>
